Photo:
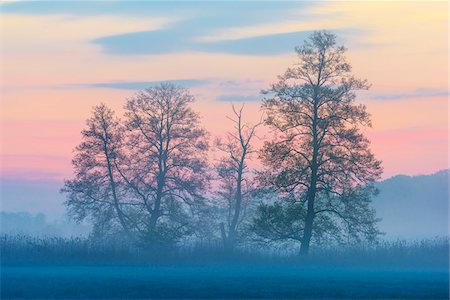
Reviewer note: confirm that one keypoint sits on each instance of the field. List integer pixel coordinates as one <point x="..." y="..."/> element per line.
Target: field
<point x="221" y="281"/>
<point x="340" y="276"/>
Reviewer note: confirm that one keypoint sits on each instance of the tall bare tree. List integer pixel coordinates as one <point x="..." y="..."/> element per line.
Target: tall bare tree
<point x="167" y="159"/>
<point x="236" y="184"/>
<point x="320" y="155"/>
<point x="96" y="191"/>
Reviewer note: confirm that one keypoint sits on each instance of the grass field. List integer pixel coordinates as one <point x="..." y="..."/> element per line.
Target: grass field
<point x="86" y="269"/>
<point x="221" y="281"/>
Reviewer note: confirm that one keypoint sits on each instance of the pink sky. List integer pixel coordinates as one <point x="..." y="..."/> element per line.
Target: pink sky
<point x="49" y="64"/>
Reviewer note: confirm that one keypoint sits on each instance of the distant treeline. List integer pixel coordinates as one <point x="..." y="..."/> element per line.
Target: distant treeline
<point x="12" y="223"/>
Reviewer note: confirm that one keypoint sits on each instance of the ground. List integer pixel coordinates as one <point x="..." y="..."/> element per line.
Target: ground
<point x="231" y="280"/>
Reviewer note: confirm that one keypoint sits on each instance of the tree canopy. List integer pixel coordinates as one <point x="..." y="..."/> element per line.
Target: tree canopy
<point x="320" y="157"/>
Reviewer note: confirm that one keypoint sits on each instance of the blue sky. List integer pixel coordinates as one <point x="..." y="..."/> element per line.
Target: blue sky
<point x="188" y="23"/>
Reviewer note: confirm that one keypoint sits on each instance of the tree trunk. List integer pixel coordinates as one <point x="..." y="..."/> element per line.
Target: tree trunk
<point x="224" y="236"/>
<point x="307" y="232"/>
<point x="112" y="182"/>
<point x="311" y="195"/>
<point x="159" y="195"/>
<point x="229" y="241"/>
<point x="232" y="232"/>
<point x="155" y="213"/>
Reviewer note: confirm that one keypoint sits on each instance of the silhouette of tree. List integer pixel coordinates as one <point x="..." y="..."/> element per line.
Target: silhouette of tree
<point x="320" y="158"/>
<point x="236" y="186"/>
<point x="165" y="169"/>
<point x="96" y="192"/>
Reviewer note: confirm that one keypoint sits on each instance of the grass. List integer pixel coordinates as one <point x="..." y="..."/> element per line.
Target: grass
<point x="82" y="269"/>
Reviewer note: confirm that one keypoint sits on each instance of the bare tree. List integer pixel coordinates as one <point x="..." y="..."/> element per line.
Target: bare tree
<point x="236" y="185"/>
<point x="96" y="191"/>
<point x="320" y="155"/>
<point x="167" y="157"/>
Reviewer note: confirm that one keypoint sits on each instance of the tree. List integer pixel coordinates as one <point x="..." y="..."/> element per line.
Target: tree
<point x="96" y="191"/>
<point x="320" y="158"/>
<point x="235" y="187"/>
<point x="166" y="164"/>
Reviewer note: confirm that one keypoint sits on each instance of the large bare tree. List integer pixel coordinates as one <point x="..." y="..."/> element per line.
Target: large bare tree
<point x="235" y="183"/>
<point x="320" y="158"/>
<point x="166" y="164"/>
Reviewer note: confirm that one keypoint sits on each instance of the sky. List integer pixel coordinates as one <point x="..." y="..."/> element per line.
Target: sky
<point x="59" y="59"/>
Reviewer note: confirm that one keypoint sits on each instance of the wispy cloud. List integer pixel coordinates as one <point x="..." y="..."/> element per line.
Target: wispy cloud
<point x="414" y="94"/>
<point x="272" y="44"/>
<point x="138" y="85"/>
<point x="239" y="98"/>
<point x="181" y="39"/>
<point x="193" y="27"/>
<point x="240" y="90"/>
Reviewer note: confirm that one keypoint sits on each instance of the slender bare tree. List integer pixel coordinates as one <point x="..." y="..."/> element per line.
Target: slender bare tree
<point x="236" y="184"/>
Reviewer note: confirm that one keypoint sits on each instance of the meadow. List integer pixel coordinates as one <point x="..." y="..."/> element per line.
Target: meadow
<point x="46" y="268"/>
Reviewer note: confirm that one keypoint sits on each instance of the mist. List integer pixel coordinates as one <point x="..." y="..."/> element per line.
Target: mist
<point x="411" y="208"/>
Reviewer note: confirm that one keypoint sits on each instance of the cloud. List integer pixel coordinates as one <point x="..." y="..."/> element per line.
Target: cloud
<point x="262" y="45"/>
<point x="245" y="90"/>
<point x="140" y="85"/>
<point x="414" y="94"/>
<point x="178" y="40"/>
<point x="237" y="28"/>
<point x="190" y="28"/>
<point x="239" y="98"/>
<point x="88" y="8"/>
<point x="218" y="12"/>
<point x="240" y="83"/>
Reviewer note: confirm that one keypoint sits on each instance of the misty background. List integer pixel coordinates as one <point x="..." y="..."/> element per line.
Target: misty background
<point x="410" y="207"/>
